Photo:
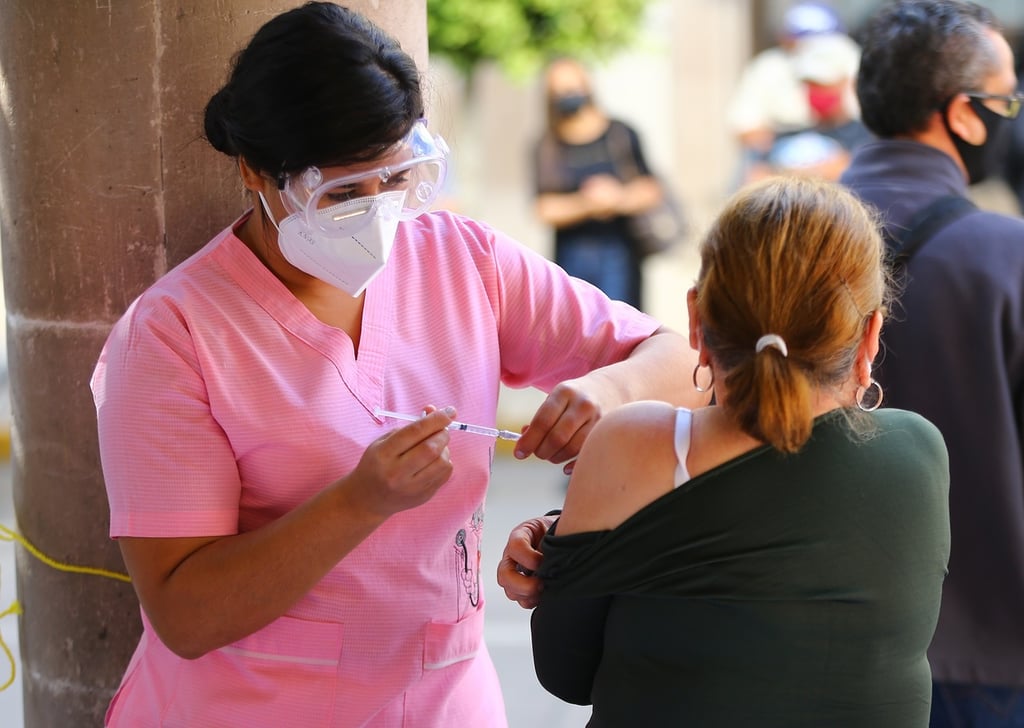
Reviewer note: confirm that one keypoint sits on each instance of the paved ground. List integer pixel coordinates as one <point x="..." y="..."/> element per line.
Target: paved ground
<point x="519" y="490"/>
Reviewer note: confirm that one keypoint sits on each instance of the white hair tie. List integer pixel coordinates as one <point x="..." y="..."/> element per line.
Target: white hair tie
<point x="771" y="340"/>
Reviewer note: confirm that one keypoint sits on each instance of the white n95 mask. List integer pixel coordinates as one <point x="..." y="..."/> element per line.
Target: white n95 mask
<point x="348" y="262"/>
<point x="341" y="228"/>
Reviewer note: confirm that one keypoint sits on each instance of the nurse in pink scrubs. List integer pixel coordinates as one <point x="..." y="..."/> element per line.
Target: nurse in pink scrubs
<point x="301" y="560"/>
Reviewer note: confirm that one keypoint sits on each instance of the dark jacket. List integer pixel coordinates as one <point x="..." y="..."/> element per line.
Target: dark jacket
<point x="953" y="350"/>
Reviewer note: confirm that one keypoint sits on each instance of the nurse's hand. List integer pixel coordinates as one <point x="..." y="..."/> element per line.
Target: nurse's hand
<point x="404" y="468"/>
<point x="520" y="561"/>
<point x="651" y="371"/>
<point x="563" y="421"/>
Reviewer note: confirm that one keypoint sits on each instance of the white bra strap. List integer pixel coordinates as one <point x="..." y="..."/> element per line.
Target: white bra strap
<point x="684" y="421"/>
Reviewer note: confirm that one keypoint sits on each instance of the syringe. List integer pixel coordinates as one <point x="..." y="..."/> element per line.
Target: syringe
<point x="458" y="426"/>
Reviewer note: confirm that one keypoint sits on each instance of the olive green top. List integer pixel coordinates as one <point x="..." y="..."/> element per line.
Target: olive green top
<point x="774" y="590"/>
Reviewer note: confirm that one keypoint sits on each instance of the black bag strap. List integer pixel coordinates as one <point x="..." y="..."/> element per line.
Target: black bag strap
<point x="620" y="149"/>
<point x="924" y="225"/>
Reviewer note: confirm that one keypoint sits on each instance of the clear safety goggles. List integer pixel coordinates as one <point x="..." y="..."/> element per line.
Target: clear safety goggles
<point x="340" y="206"/>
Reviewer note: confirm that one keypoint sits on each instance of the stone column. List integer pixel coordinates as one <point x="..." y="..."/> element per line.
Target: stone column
<point x="105" y="183"/>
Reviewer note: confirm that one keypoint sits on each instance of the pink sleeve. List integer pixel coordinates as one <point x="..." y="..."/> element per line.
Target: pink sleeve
<point x="168" y="467"/>
<point x="554" y="327"/>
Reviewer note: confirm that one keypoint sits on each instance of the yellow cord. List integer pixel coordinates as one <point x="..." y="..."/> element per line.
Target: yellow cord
<point x="15" y="608"/>
<point x="7" y="534"/>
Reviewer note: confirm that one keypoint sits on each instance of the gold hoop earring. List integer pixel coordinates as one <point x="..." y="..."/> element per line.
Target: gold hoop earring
<point x="872" y="403"/>
<point x="711" y="384"/>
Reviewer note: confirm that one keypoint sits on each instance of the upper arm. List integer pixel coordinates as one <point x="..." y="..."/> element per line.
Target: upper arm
<point x="553" y="327"/>
<point x="168" y="467"/>
<point x="626" y="462"/>
<point x="549" y="166"/>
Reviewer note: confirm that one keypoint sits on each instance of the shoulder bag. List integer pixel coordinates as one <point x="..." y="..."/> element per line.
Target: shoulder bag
<point x="652" y="231"/>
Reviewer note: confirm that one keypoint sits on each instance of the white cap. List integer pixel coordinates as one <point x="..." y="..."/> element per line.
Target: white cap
<point x="826" y="59"/>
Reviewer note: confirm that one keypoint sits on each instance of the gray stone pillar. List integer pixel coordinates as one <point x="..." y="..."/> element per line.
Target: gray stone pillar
<point x="105" y="183"/>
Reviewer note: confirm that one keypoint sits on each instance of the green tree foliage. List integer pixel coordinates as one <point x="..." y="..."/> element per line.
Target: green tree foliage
<point x="520" y="35"/>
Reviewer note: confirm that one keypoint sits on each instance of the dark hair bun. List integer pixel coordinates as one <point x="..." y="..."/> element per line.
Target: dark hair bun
<point x="316" y="85"/>
<point x="215" y="123"/>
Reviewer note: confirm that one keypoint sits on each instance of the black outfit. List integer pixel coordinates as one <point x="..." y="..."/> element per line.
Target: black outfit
<point x="848" y="136"/>
<point x="852" y="135"/>
<point x="954" y="352"/>
<point x="773" y="590"/>
<point x="598" y="251"/>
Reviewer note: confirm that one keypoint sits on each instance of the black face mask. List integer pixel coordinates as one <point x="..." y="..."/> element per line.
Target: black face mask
<point x="569" y="104"/>
<point x="986" y="159"/>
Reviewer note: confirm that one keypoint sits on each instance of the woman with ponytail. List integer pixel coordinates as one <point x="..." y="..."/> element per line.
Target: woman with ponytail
<point x="777" y="558"/>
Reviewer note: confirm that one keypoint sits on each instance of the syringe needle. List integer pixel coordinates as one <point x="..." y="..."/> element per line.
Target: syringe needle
<point x="461" y="426"/>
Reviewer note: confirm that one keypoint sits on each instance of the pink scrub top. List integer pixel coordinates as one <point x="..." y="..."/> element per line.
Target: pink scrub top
<point x="223" y="403"/>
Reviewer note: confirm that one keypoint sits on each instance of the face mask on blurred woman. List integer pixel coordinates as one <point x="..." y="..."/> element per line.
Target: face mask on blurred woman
<point x="570" y="104"/>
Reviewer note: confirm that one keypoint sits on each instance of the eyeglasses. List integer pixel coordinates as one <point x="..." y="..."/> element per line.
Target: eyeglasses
<point x="1013" y="103"/>
<point x="415" y="169"/>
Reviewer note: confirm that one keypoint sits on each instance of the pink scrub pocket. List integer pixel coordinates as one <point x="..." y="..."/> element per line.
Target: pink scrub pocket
<point x="284" y="675"/>
<point x="448" y="644"/>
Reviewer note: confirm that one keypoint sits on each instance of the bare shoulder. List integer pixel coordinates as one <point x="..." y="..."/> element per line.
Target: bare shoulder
<point x="627" y="461"/>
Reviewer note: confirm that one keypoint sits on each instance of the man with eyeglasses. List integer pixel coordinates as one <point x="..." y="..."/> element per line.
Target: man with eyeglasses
<point x="937" y="87"/>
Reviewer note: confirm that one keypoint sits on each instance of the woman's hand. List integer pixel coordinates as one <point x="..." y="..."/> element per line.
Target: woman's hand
<point x="520" y="561"/>
<point x="603" y="195"/>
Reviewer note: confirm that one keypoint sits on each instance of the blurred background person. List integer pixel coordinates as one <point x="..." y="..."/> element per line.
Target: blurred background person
<point x="823" y="64"/>
<point x="791" y="88"/>
<point x="590" y="174"/>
